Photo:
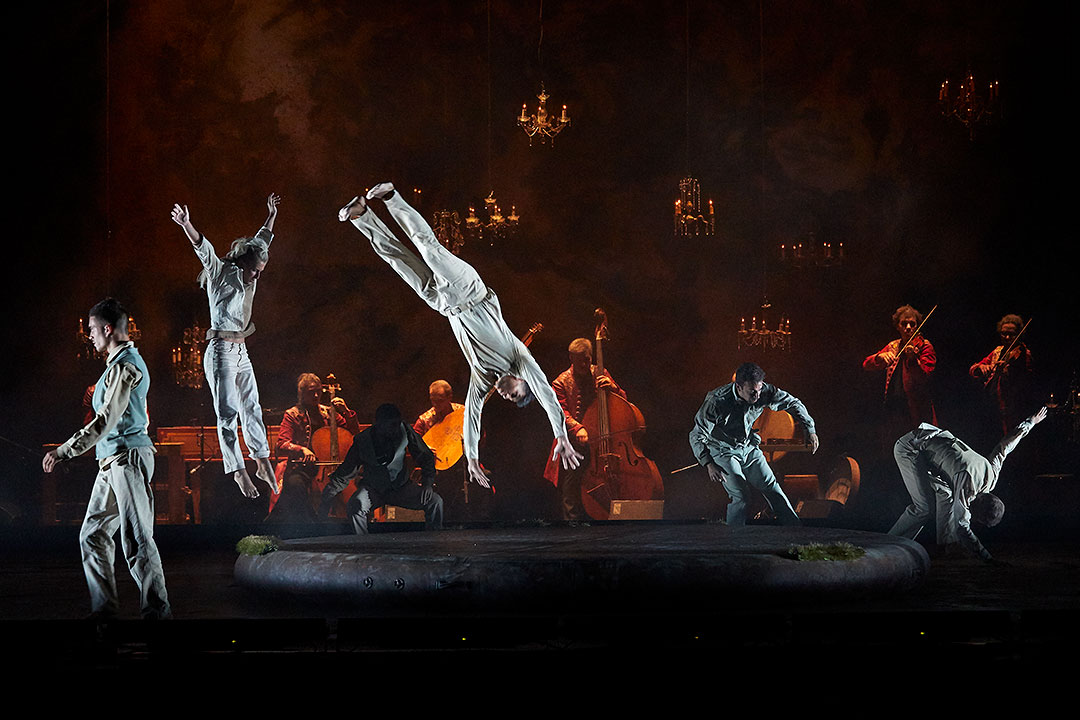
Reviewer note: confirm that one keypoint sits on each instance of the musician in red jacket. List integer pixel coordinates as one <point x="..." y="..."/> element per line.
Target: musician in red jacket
<point x="908" y="363"/>
<point x="1006" y="371"/>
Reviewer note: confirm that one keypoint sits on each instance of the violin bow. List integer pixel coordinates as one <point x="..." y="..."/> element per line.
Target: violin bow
<point x="915" y="334"/>
<point x="994" y="371"/>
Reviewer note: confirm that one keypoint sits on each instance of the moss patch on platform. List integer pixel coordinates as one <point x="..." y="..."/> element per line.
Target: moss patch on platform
<point x="258" y="544"/>
<point x="843" y="551"/>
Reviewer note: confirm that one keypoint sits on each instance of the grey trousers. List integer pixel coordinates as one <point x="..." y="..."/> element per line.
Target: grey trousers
<point x="924" y="487"/>
<point x="744" y="468"/>
<point x="123" y="499"/>
<point x="408" y="496"/>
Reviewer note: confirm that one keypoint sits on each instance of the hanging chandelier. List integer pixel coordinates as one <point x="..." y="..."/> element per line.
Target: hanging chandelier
<point x="968" y="106"/>
<point x="187" y="361"/>
<point x="759" y="334"/>
<point x="690" y="219"/>
<point x="811" y="253"/>
<point x="541" y="123"/>
<point x="496" y="227"/>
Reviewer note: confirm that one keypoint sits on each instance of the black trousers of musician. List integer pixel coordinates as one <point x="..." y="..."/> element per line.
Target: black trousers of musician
<point x="294" y="505"/>
<point x="573" y="509"/>
<point x="365" y="499"/>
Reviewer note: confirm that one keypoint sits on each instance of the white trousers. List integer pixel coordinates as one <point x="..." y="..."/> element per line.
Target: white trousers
<point x="236" y="398"/>
<point x="439" y="277"/>
<point x="123" y="499"/>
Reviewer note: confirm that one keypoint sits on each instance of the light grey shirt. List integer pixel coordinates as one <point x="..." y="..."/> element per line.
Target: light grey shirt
<point x="230" y="298"/>
<point x="493" y="351"/>
<point x="967" y="473"/>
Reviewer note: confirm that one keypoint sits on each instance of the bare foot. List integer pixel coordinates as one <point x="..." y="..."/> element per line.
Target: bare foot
<point x="247" y="488"/>
<point x="353" y="209"/>
<point x="265" y="472"/>
<point x="382" y="191"/>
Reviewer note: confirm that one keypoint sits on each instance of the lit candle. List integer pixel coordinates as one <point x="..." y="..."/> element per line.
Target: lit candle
<point x="564" y="118"/>
<point x="523" y="117"/>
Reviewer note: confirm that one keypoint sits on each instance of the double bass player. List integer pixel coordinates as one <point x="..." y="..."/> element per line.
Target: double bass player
<point x="576" y="388"/>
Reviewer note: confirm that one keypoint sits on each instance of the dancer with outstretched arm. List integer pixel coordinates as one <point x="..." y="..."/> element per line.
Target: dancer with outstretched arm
<point x="453" y="288"/>
<point x="230" y="287"/>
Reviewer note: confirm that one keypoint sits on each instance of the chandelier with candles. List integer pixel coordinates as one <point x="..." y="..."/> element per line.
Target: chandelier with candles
<point x="541" y="123"/>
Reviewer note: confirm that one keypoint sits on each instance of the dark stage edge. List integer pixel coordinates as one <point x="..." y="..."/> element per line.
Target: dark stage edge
<point x="686" y="566"/>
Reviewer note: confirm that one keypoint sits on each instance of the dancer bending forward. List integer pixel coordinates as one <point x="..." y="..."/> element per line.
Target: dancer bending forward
<point x="230" y="286"/>
<point x="451" y="286"/>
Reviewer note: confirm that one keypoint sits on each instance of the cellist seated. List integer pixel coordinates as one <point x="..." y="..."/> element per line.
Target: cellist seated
<point x="295" y="439"/>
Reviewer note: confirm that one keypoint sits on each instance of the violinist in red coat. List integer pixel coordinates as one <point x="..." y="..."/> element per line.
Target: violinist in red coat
<point x="1007" y="372"/>
<point x="908" y="374"/>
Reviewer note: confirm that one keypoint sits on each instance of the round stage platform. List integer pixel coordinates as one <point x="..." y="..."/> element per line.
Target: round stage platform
<point x="697" y="565"/>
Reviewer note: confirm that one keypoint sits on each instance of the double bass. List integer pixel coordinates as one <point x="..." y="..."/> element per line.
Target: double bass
<point x="617" y="468"/>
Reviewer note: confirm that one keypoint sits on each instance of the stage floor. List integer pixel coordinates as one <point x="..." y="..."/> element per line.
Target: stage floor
<point x="1025" y="610"/>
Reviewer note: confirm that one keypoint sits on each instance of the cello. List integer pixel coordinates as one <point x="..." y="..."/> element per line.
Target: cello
<point x="330" y="443"/>
<point x="617" y="469"/>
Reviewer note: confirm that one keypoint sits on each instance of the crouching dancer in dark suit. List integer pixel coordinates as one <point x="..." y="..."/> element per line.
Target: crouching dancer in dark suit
<point x="380" y="452"/>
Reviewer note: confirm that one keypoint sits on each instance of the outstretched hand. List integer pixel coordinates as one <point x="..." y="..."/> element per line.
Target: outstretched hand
<point x="272" y="202"/>
<point x="180" y="215"/>
<point x="477" y="473"/>
<point x="1039" y="416"/>
<point x="571" y="458"/>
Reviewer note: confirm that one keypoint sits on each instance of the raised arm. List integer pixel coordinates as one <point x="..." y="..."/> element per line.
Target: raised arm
<point x="272" y="202"/>
<point x="1010" y="441"/>
<point x="182" y="217"/>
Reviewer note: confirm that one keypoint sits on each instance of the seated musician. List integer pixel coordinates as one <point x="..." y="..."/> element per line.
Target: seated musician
<point x="298" y="426"/>
<point x="442" y="404"/>
<point x="575" y="389"/>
